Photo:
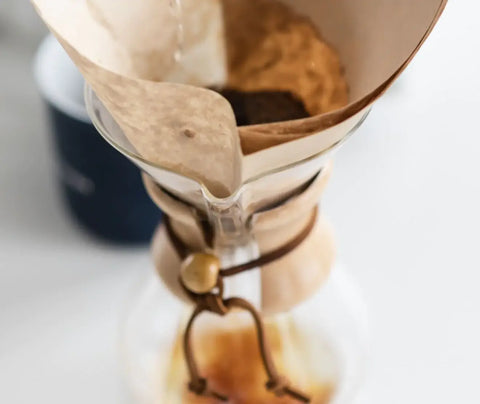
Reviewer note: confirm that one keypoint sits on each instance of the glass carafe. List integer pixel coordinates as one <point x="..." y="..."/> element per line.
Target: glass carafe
<point x="313" y="315"/>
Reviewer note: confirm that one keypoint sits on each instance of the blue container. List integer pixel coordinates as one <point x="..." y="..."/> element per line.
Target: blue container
<point x="102" y="189"/>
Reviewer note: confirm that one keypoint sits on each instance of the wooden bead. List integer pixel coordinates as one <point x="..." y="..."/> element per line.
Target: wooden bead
<point x="199" y="272"/>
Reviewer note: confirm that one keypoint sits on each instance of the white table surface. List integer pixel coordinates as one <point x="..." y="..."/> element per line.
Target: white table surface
<point x="404" y="198"/>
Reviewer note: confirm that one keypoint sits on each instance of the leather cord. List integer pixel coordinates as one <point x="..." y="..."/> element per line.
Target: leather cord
<point x="214" y="302"/>
<point x="275" y="254"/>
<point x="183" y="250"/>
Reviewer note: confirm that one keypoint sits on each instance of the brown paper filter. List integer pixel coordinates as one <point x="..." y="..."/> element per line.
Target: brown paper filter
<point x="121" y="46"/>
<point x="376" y="40"/>
<point x="116" y="44"/>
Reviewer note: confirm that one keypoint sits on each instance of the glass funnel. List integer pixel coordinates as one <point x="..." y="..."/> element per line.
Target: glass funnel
<point x="318" y="336"/>
<point x="261" y="190"/>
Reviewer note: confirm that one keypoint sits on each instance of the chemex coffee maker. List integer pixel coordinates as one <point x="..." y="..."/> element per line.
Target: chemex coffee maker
<point x="233" y="110"/>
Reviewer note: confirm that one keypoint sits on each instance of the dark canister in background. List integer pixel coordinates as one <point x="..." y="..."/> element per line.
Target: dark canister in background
<point x="103" y="191"/>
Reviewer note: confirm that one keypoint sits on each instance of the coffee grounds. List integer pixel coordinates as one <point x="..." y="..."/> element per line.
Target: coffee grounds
<point x="272" y="48"/>
<point x="257" y="107"/>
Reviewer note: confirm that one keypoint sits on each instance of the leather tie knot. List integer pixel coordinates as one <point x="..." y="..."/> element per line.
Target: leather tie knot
<point x="278" y="386"/>
<point x="215" y="304"/>
<point x="198" y="386"/>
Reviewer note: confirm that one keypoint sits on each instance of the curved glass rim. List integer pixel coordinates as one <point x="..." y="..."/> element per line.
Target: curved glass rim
<point x="89" y="94"/>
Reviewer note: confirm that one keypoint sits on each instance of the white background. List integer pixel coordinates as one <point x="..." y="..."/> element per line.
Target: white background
<point x="404" y="198"/>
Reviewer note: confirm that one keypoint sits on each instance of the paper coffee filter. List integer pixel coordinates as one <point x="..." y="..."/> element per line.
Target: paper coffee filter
<point x="376" y="39"/>
<point x="138" y="31"/>
<point x="143" y="39"/>
<point x="184" y="128"/>
<point x="167" y="40"/>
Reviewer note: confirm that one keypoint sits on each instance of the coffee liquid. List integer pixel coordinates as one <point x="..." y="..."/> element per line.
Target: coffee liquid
<point x="230" y="360"/>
